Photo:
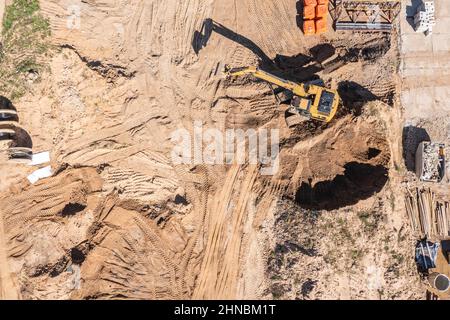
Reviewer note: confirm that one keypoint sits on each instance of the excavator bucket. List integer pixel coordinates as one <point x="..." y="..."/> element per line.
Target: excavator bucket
<point x="294" y="119"/>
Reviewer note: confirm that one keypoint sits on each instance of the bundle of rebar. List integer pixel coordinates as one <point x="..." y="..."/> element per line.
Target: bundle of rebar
<point x="427" y="215"/>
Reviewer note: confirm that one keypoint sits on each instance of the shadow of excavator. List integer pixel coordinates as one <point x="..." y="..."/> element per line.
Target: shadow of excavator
<point x="298" y="68"/>
<point x="209" y="26"/>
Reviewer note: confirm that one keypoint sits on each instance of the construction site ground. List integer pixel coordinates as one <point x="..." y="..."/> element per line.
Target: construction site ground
<point x="118" y="219"/>
<point x="425" y="96"/>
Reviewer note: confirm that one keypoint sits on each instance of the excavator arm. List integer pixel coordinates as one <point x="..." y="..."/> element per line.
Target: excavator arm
<point x="266" y="76"/>
<point x="312" y="101"/>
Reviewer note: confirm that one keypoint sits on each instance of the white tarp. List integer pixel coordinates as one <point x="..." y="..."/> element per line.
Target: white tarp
<point x="40" y="158"/>
<point x="40" y="174"/>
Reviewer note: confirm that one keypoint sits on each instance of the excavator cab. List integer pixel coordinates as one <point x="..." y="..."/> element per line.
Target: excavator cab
<point x="326" y="104"/>
<point x="326" y="100"/>
<point x="321" y="107"/>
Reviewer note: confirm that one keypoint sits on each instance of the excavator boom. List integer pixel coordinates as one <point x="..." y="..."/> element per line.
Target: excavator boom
<point x="263" y="75"/>
<point x="322" y="103"/>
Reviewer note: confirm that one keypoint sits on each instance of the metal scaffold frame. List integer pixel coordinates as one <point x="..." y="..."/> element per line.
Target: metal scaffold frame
<point x="364" y="15"/>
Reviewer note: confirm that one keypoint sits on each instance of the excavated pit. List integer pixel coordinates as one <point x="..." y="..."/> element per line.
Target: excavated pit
<point x="346" y="165"/>
<point x="360" y="181"/>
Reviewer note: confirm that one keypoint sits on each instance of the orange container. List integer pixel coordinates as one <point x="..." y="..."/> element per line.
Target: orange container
<point x="321" y="11"/>
<point x="321" y="25"/>
<point x="309" y="27"/>
<point x="309" y="12"/>
<point x="310" y="2"/>
<point x="325" y="2"/>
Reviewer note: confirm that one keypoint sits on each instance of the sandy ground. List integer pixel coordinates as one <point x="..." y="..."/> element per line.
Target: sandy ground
<point x="2" y="11"/>
<point x="120" y="220"/>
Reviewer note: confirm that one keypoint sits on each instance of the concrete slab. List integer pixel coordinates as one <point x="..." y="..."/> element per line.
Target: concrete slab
<point x="442" y="8"/>
<point x="442" y="24"/>
<point x="425" y="66"/>
<point x="441" y="42"/>
<point x="426" y="102"/>
<point x="416" y="42"/>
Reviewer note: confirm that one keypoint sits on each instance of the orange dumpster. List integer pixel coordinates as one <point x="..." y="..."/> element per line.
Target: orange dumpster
<point x="321" y="11"/>
<point x="309" y="27"/>
<point x="321" y="25"/>
<point x="309" y="12"/>
<point x="310" y="2"/>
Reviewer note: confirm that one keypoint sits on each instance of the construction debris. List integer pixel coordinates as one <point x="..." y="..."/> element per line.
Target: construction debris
<point x="363" y="15"/>
<point x="430" y="161"/>
<point x="40" y="174"/>
<point x="427" y="215"/>
<point x="40" y="158"/>
<point x="424" y="17"/>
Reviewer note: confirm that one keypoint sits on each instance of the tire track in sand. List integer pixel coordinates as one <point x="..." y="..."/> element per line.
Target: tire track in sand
<point x="220" y="268"/>
<point x="226" y="286"/>
<point x="8" y="290"/>
<point x="210" y="265"/>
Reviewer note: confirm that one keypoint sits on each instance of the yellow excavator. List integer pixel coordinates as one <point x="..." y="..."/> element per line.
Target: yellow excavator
<point x="307" y="101"/>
